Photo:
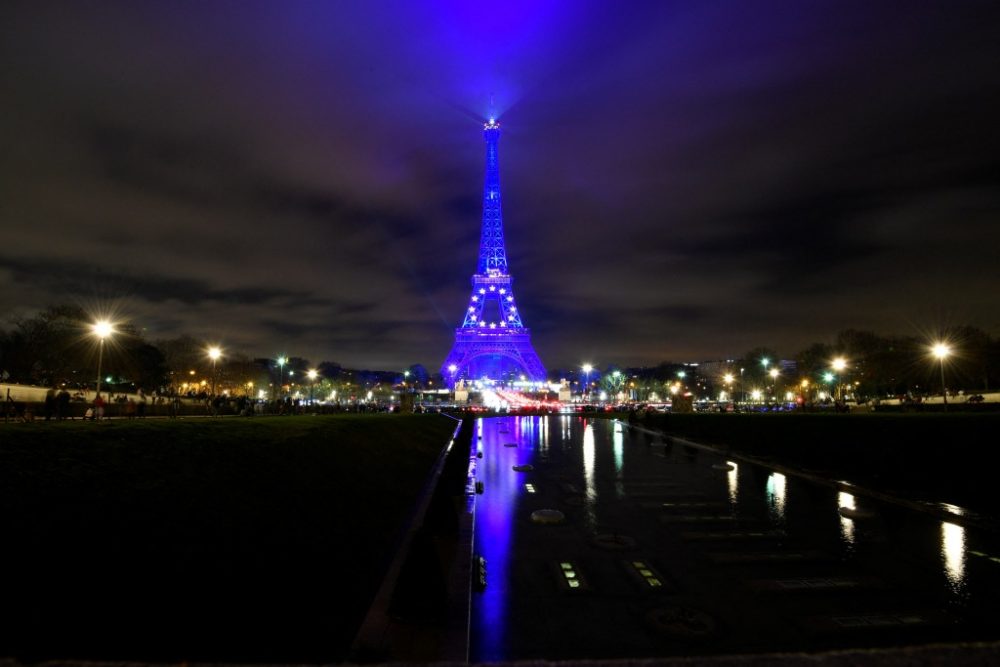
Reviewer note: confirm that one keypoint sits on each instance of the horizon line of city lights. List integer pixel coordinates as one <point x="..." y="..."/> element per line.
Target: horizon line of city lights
<point x="104" y="330"/>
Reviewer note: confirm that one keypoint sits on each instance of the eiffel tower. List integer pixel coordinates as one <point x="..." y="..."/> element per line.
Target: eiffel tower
<point x="492" y="342"/>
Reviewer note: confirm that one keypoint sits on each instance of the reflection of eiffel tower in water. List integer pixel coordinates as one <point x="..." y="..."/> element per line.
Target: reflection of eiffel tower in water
<point x="492" y="341"/>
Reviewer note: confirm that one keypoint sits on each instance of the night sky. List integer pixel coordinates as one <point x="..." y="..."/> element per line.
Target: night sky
<point x="681" y="181"/>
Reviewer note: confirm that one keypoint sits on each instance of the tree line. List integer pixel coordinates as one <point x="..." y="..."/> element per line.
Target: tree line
<point x="57" y="347"/>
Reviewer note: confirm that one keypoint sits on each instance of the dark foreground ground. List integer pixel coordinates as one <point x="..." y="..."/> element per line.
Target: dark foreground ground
<point x="264" y="540"/>
<point x="202" y="540"/>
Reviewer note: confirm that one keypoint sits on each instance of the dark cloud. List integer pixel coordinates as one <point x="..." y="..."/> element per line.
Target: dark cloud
<point x="681" y="180"/>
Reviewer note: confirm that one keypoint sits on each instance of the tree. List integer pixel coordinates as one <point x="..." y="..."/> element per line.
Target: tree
<point x="754" y="368"/>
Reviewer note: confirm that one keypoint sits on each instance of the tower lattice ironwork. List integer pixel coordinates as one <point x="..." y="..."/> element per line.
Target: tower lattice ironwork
<point x="492" y="342"/>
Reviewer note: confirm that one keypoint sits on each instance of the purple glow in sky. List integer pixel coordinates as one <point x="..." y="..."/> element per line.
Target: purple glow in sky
<point x="681" y="180"/>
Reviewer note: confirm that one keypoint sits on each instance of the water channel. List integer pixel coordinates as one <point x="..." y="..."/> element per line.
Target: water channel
<point x="669" y="549"/>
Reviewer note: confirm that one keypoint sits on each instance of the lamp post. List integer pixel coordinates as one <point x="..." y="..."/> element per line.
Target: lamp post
<point x="728" y="379"/>
<point x="312" y="383"/>
<point x="214" y="353"/>
<point x="838" y="365"/>
<point x="743" y="395"/>
<point x="774" y="373"/>
<point x="586" y="374"/>
<point x="102" y="329"/>
<point x="941" y="351"/>
<point x="281" y="374"/>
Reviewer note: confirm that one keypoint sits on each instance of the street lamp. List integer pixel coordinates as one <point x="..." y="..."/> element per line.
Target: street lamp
<point x="586" y="374"/>
<point x="214" y="353"/>
<point x="102" y="329"/>
<point x="281" y="374"/>
<point x="728" y="380"/>
<point x="942" y="350"/>
<point x="839" y="364"/>
<point x="312" y="383"/>
<point x="774" y="373"/>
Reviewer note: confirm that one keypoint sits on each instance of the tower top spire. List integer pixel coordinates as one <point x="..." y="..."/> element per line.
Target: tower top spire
<point x="492" y="253"/>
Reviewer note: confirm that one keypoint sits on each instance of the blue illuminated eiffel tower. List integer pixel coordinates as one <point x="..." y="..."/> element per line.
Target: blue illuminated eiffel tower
<point x="492" y="342"/>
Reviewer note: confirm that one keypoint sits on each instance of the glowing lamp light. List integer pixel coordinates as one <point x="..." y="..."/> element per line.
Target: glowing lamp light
<point x="828" y="377"/>
<point x="839" y="364"/>
<point x="493" y="288"/>
<point x="503" y="291"/>
<point x="755" y="394"/>
<point x="728" y="378"/>
<point x="774" y="372"/>
<point x="452" y="368"/>
<point x="941" y="350"/>
<point x="472" y="309"/>
<point x="482" y="291"/>
<point x="102" y="329"/>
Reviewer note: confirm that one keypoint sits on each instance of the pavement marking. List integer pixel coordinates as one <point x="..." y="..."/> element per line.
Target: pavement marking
<point x="569" y="577"/>
<point x="645" y="573"/>
<point x="530" y="488"/>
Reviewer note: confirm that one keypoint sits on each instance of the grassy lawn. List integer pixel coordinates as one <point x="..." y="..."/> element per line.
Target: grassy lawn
<point x="932" y="456"/>
<point x="222" y="540"/>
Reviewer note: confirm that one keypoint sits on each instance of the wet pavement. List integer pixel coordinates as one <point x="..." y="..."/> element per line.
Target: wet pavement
<point x="667" y="549"/>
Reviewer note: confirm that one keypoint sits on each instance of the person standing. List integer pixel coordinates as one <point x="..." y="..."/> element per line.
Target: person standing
<point x="62" y="404"/>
